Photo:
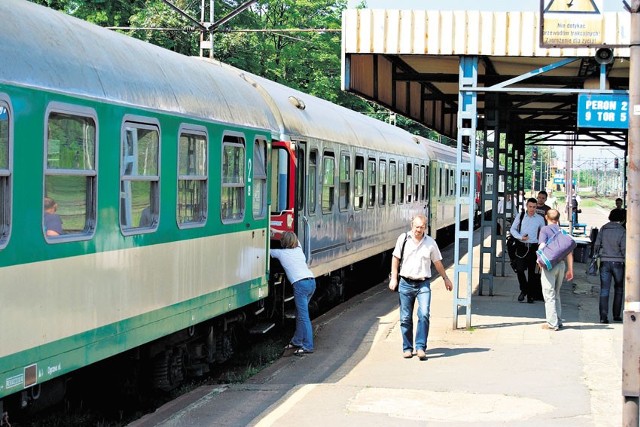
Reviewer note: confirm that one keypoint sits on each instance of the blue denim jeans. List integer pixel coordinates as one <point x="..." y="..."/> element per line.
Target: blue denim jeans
<point x="611" y="270"/>
<point x="408" y="294"/>
<point x="302" y="292"/>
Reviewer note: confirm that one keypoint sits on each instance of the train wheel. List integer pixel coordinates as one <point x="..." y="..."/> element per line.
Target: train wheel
<point x="168" y="370"/>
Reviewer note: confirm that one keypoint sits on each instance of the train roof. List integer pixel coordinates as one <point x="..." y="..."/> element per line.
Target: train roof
<point x="306" y="116"/>
<point x="441" y="152"/>
<point x="46" y="49"/>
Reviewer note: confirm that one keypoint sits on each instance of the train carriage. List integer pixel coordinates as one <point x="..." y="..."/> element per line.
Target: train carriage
<point x="159" y="175"/>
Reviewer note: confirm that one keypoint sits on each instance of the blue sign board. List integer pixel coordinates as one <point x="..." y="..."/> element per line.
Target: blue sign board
<point x="603" y="111"/>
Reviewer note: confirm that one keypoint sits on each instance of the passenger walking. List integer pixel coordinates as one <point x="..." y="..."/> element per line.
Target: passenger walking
<point x="541" y="206"/>
<point x="611" y="247"/>
<point x="527" y="236"/>
<point x="552" y="279"/>
<point x="411" y="275"/>
<point x="295" y="267"/>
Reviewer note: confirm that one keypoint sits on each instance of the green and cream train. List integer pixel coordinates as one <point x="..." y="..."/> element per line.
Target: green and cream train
<point x="140" y="191"/>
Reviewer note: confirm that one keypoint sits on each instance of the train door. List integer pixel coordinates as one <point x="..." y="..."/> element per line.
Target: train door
<point x="303" y="197"/>
<point x="282" y="187"/>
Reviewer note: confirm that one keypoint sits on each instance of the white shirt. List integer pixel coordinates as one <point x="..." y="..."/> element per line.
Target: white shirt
<point x="531" y="226"/>
<point x="417" y="257"/>
<point x="294" y="263"/>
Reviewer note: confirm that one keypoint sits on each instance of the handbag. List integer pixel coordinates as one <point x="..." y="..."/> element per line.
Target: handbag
<point x="592" y="269"/>
<point x="406" y="236"/>
<point x="555" y="250"/>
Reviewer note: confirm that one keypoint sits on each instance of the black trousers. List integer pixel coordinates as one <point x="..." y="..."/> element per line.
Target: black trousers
<point x="526" y="269"/>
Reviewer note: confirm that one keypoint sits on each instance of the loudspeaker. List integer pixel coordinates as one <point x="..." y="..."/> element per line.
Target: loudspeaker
<point x="604" y="55"/>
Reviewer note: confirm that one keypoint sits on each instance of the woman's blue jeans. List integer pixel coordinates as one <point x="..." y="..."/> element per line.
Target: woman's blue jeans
<point x="611" y="270"/>
<point x="408" y="293"/>
<point x="302" y="292"/>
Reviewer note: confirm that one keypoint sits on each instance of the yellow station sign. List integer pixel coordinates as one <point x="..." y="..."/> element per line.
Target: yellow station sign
<point x="574" y="23"/>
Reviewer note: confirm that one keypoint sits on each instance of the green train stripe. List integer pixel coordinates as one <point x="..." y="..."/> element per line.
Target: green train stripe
<point x="66" y="355"/>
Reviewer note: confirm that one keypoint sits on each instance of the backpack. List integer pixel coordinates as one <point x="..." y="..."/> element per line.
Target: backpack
<point x="512" y="242"/>
<point x="555" y="250"/>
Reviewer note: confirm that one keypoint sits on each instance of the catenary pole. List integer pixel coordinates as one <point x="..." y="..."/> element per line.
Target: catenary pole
<point x="631" y="326"/>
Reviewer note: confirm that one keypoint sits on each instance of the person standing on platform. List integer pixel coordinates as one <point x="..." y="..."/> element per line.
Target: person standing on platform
<point x="611" y="246"/>
<point x="620" y="208"/>
<point x="552" y="279"/>
<point x="541" y="206"/>
<point x="411" y="275"/>
<point x="527" y="236"/>
<point x="301" y="278"/>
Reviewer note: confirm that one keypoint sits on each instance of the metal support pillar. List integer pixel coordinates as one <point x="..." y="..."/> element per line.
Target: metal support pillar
<point x="467" y="123"/>
<point x="631" y="318"/>
<point x="492" y="192"/>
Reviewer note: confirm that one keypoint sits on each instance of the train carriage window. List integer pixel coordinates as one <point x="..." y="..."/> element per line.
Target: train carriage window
<point x="423" y="183"/>
<point x="393" y="179"/>
<point x="371" y="182"/>
<point x="345" y="180"/>
<point x="140" y="177"/>
<point x="358" y="196"/>
<point x="6" y="135"/>
<point x="259" y="178"/>
<point x="328" y="182"/>
<point x="313" y="181"/>
<point x="193" y="177"/>
<point x="232" y="203"/>
<point x="383" y="183"/>
<point x="440" y="182"/>
<point x="416" y="182"/>
<point x="447" y="181"/>
<point x="452" y="180"/>
<point x="70" y="173"/>
<point x="409" y="182"/>
<point x="401" y="182"/>
<point x="464" y="188"/>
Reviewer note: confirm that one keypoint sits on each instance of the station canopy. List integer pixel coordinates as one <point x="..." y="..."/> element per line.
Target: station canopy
<point x="408" y="61"/>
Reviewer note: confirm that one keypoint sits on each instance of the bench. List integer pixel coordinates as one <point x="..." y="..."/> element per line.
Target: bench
<point x="578" y="227"/>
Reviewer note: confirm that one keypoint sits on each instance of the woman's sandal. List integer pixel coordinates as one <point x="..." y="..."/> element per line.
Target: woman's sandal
<point x="301" y="351"/>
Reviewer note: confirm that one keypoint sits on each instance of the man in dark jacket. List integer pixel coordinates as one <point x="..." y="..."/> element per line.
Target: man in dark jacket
<point x="611" y="246"/>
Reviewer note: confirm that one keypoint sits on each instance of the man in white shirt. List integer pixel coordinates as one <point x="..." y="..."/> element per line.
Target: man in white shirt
<point x="527" y="235"/>
<point x="411" y="274"/>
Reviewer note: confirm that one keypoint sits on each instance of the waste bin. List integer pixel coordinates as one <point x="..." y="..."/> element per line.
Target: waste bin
<point x="582" y="253"/>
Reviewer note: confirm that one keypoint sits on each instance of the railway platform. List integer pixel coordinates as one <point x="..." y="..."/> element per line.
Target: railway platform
<point x="504" y="370"/>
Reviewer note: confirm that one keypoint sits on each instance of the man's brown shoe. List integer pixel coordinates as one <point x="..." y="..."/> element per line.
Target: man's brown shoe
<point x="421" y="355"/>
<point x="407" y="354"/>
